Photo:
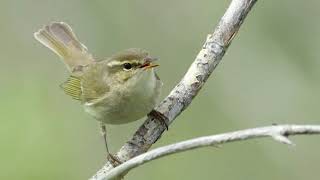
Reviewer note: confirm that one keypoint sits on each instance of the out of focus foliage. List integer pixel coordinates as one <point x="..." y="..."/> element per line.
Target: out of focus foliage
<point x="270" y="74"/>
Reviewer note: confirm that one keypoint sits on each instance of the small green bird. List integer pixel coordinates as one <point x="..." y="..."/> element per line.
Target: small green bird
<point x="120" y="89"/>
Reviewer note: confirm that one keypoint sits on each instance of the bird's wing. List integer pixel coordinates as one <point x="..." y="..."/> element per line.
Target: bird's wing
<point x="87" y="87"/>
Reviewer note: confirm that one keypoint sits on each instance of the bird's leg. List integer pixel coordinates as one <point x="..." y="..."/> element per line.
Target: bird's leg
<point x="161" y="117"/>
<point x="112" y="158"/>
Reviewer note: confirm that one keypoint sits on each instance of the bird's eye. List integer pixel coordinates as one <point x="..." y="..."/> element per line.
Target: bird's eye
<point x="127" y="66"/>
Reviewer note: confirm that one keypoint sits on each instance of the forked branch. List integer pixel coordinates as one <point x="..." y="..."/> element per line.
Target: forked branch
<point x="181" y="96"/>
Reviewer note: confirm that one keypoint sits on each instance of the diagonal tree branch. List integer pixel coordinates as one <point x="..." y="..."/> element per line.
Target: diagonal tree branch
<point x="279" y="133"/>
<point x="181" y="96"/>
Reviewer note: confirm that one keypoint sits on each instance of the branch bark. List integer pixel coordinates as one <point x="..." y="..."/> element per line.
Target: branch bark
<point x="181" y="96"/>
<point x="279" y="133"/>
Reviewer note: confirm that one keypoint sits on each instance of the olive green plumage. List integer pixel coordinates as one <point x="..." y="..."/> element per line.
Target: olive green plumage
<point x="119" y="89"/>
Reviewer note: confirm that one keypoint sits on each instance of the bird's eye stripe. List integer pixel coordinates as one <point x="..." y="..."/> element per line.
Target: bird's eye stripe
<point x="133" y="63"/>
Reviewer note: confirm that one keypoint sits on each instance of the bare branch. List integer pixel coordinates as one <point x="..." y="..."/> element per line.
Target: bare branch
<point x="181" y="96"/>
<point x="278" y="133"/>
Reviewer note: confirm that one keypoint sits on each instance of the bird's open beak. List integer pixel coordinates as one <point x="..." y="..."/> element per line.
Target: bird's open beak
<point x="148" y="64"/>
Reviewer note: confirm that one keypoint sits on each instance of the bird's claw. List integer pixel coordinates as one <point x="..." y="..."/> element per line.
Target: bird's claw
<point x="161" y="117"/>
<point x="114" y="160"/>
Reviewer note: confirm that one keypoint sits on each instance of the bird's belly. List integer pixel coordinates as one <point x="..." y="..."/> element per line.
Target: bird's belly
<point x="124" y="107"/>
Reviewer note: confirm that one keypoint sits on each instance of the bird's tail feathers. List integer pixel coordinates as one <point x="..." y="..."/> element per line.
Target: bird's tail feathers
<point x="59" y="37"/>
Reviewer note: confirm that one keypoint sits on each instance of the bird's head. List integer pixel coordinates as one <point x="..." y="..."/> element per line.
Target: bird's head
<point x="130" y="64"/>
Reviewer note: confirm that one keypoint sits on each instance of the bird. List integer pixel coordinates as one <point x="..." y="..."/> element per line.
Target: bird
<point x="115" y="90"/>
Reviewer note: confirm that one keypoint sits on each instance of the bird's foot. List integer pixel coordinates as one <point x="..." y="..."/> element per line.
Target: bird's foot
<point x="161" y="117"/>
<point x="114" y="160"/>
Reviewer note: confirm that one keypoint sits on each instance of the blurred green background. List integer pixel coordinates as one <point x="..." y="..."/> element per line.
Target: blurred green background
<point x="270" y="74"/>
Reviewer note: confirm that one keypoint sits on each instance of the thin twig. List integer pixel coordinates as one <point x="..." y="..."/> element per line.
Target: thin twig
<point x="279" y="133"/>
<point x="181" y="96"/>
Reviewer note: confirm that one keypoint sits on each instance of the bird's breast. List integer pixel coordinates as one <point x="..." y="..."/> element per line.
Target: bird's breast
<point x="127" y="103"/>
